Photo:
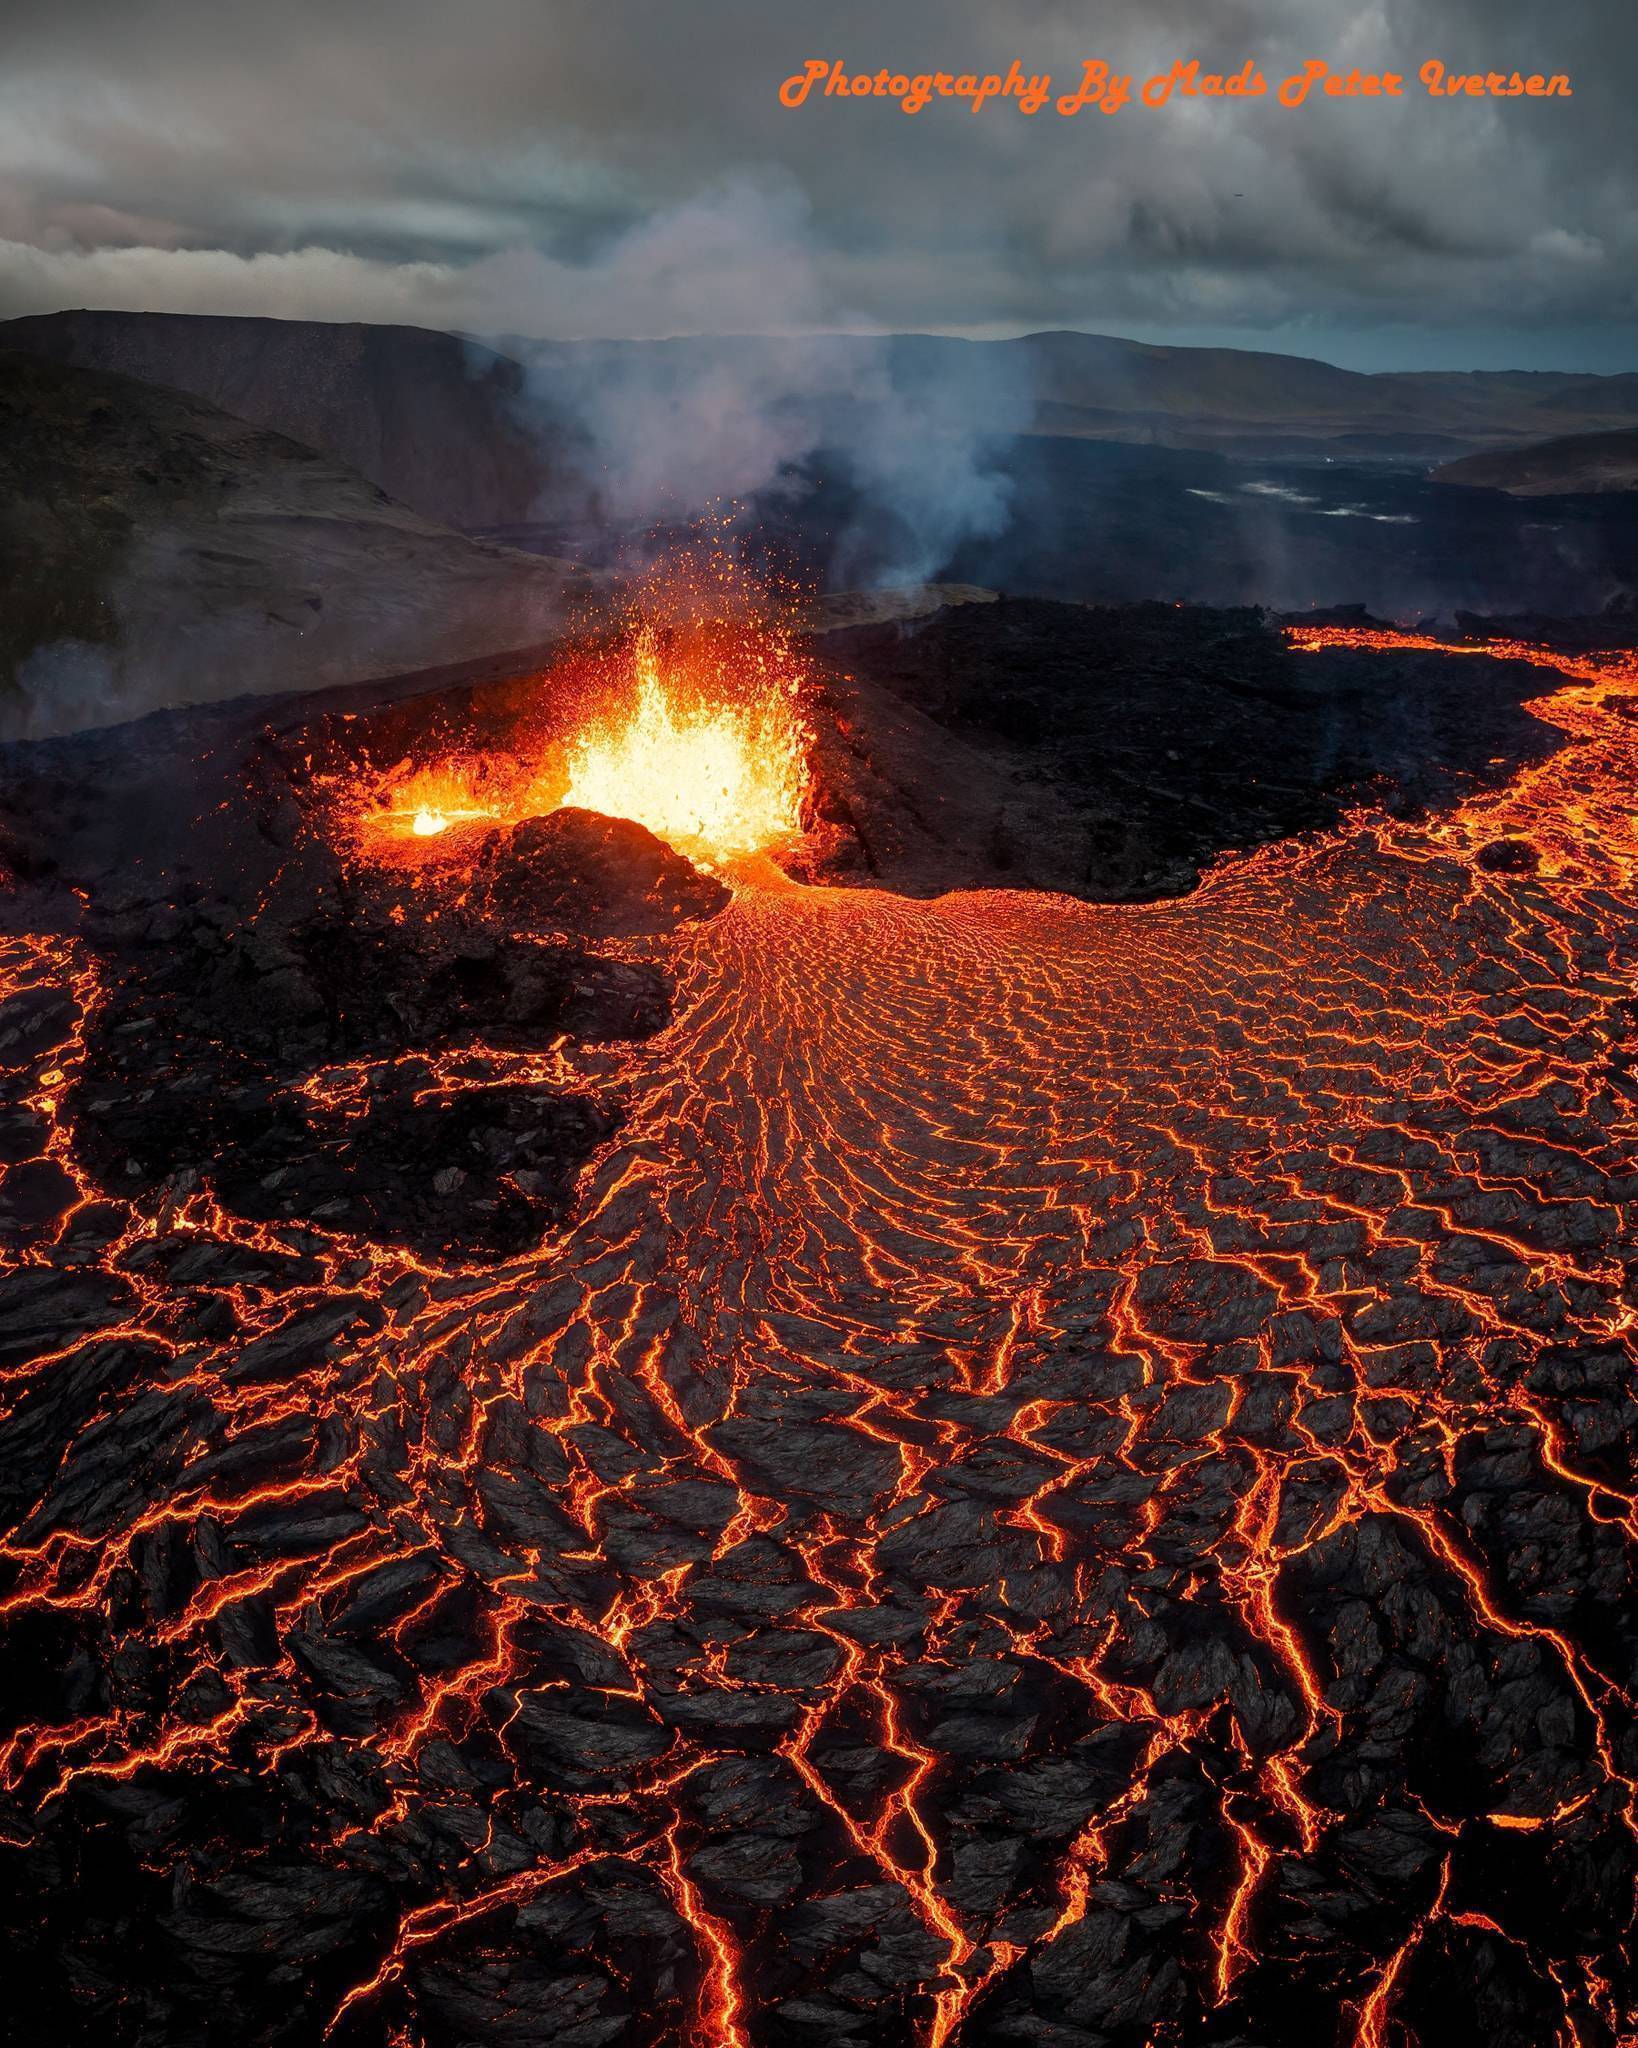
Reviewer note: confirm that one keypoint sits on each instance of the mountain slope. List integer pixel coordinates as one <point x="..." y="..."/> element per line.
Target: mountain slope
<point x="1564" y="463"/>
<point x="1102" y="387"/>
<point x="159" y="551"/>
<point x="477" y="437"/>
<point x="430" y="418"/>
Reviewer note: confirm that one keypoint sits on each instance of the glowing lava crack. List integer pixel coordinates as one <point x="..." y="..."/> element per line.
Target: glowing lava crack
<point x="1067" y="1482"/>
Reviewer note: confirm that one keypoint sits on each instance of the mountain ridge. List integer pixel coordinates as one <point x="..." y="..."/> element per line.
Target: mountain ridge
<point x="474" y="437"/>
<point x="1563" y="464"/>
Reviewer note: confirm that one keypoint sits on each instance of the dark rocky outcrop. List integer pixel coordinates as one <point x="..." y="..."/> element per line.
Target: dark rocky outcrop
<point x="437" y="421"/>
<point x="602" y="877"/>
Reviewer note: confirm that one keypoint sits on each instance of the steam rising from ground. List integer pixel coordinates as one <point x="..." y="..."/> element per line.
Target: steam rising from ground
<point x="914" y="425"/>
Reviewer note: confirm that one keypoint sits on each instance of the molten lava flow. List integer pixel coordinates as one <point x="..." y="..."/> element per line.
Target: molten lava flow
<point x="1065" y="1481"/>
<point x="715" y="779"/>
<point x="1616" y="668"/>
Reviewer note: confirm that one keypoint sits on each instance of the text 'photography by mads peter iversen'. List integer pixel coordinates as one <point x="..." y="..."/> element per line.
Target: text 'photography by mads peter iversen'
<point x="1107" y="90"/>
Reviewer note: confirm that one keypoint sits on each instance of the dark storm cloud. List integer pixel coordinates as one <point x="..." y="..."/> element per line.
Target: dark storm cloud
<point x="626" y="167"/>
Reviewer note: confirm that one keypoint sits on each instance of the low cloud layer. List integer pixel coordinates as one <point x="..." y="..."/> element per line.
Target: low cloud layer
<point x="504" y="170"/>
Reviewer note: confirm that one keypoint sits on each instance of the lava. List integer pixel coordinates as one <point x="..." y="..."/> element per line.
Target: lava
<point x="697" y="735"/>
<point x="424" y="803"/>
<point x="1064" y="1481"/>
<point x="712" y="778"/>
<point x="1617" y="669"/>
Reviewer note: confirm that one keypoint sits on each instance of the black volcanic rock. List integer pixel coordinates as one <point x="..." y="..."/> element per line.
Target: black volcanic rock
<point x="1115" y="752"/>
<point x="193" y="1059"/>
<point x="1509" y="857"/>
<point x="311" y="1035"/>
<point x="577" y="871"/>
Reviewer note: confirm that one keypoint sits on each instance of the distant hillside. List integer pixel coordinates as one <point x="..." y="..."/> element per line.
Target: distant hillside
<point x="159" y="551"/>
<point x="1244" y="401"/>
<point x="1566" y="463"/>
<point x="1099" y="387"/>
<point x="477" y="435"/>
<point x="427" y="416"/>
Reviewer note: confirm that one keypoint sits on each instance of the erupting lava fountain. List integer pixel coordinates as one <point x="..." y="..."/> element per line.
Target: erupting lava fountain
<point x="698" y="736"/>
<point x="713" y="778"/>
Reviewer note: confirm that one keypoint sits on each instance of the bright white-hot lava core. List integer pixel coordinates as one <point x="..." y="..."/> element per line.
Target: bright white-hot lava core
<point x="701" y="739"/>
<point x="425" y="803"/>
<point x="712" y="778"/>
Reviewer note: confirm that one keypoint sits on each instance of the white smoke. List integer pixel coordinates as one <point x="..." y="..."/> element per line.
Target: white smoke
<point x="750" y="373"/>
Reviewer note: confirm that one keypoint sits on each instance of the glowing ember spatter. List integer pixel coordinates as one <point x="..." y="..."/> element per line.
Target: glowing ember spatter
<point x="426" y="803"/>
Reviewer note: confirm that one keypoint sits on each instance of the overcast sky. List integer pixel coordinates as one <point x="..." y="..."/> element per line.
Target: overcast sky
<point x="574" y="167"/>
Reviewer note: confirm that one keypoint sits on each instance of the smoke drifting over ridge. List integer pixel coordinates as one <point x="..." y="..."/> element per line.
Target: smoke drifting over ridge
<point x="911" y="426"/>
